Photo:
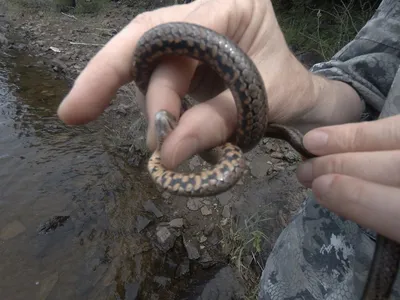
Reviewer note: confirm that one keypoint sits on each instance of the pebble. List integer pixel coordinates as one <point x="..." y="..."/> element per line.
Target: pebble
<point x="165" y="238"/>
<point x="149" y="206"/>
<point x="191" y="249"/>
<point x="202" y="239"/>
<point x="259" y="166"/>
<point x="209" y="229"/>
<point x="226" y="212"/>
<point x="224" y="198"/>
<point x="194" y="204"/>
<point x="141" y="223"/>
<point x="177" y="223"/>
<point x="205" y="211"/>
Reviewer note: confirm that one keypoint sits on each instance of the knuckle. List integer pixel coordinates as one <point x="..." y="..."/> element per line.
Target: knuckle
<point x="328" y="164"/>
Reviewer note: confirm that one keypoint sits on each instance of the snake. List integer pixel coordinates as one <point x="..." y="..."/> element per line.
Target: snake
<point x="241" y="76"/>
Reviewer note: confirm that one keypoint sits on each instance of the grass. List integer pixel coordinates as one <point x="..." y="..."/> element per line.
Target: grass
<point x="323" y="28"/>
<point x="244" y="244"/>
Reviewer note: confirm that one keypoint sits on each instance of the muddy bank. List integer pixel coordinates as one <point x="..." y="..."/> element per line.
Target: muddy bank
<point x="96" y="225"/>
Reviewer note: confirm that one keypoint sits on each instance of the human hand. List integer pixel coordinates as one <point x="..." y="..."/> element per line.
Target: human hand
<point x="358" y="174"/>
<point x="251" y="24"/>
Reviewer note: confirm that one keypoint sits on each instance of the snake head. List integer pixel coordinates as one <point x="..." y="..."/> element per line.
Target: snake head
<point x="165" y="122"/>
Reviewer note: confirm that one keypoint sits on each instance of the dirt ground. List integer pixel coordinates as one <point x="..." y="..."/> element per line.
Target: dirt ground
<point x="255" y="210"/>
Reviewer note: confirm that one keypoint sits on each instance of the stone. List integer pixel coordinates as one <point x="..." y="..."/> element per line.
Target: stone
<point x="224" y="198"/>
<point x="149" y="206"/>
<point x="141" y="223"/>
<point x="226" y="212"/>
<point x="11" y="230"/>
<point x="162" y="281"/>
<point x="191" y="249"/>
<point x="165" y="238"/>
<point x="177" y="223"/>
<point x="202" y="239"/>
<point x="183" y="268"/>
<point x="194" y="204"/>
<point x="209" y="229"/>
<point x="277" y="155"/>
<point x="259" y="166"/>
<point x="205" y="211"/>
<point x="205" y="257"/>
<point x="52" y="224"/>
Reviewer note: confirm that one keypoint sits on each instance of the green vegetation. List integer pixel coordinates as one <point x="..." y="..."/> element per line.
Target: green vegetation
<point x="322" y="26"/>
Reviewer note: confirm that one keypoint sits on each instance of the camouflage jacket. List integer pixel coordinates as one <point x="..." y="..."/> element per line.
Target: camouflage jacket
<point x="320" y="255"/>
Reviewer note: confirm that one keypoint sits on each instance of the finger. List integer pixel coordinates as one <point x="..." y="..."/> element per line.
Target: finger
<point x="202" y="127"/>
<point x="369" y="204"/>
<point x="365" y="136"/>
<point x="168" y="84"/>
<point x="172" y="78"/>
<point x="110" y="68"/>
<point x="380" y="167"/>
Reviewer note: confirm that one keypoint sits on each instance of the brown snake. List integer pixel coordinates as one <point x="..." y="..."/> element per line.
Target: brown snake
<point x="245" y="82"/>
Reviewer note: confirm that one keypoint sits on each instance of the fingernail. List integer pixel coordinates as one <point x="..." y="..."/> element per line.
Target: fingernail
<point x="184" y="149"/>
<point x="322" y="186"/>
<point x="315" y="140"/>
<point x="305" y="173"/>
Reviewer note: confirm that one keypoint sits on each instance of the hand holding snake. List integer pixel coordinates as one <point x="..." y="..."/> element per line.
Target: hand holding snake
<point x="296" y="97"/>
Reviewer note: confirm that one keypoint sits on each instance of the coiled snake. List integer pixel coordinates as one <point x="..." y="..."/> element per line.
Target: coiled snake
<point x="245" y="82"/>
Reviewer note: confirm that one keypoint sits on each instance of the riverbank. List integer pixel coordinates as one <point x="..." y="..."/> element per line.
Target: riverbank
<point x="237" y="228"/>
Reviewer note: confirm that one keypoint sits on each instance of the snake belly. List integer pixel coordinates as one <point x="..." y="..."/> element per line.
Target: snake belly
<point x="245" y="82"/>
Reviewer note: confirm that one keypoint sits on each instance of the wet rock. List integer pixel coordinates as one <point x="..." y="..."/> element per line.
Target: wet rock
<point x="47" y="285"/>
<point x="209" y="229"/>
<point x="165" y="238"/>
<point x="11" y="230"/>
<point x="176" y="223"/>
<point x="52" y="224"/>
<point x="205" y="211"/>
<point x="58" y="65"/>
<point x="226" y="212"/>
<point x="141" y="223"/>
<point x="194" y="204"/>
<point x="183" y="268"/>
<point x="191" y="248"/>
<point x="259" y="166"/>
<point x="224" y="198"/>
<point x="149" y="206"/>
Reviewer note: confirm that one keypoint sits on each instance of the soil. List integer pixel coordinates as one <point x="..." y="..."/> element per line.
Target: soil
<point x="265" y="199"/>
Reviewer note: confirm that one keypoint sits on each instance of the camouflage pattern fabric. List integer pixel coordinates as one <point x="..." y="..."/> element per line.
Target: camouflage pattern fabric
<point x="321" y="255"/>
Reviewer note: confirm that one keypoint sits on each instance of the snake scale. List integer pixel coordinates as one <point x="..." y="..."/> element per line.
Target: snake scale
<point x="244" y="81"/>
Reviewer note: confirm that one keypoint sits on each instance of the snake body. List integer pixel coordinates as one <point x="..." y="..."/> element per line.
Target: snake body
<point x="245" y="82"/>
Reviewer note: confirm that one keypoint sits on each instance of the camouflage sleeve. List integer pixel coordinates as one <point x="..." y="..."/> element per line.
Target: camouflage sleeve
<point x="369" y="63"/>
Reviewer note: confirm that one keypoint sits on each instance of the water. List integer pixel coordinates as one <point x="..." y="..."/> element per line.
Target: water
<point x="48" y="169"/>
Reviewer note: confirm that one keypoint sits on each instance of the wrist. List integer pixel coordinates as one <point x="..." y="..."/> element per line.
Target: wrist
<point x="334" y="102"/>
<point x="302" y="99"/>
